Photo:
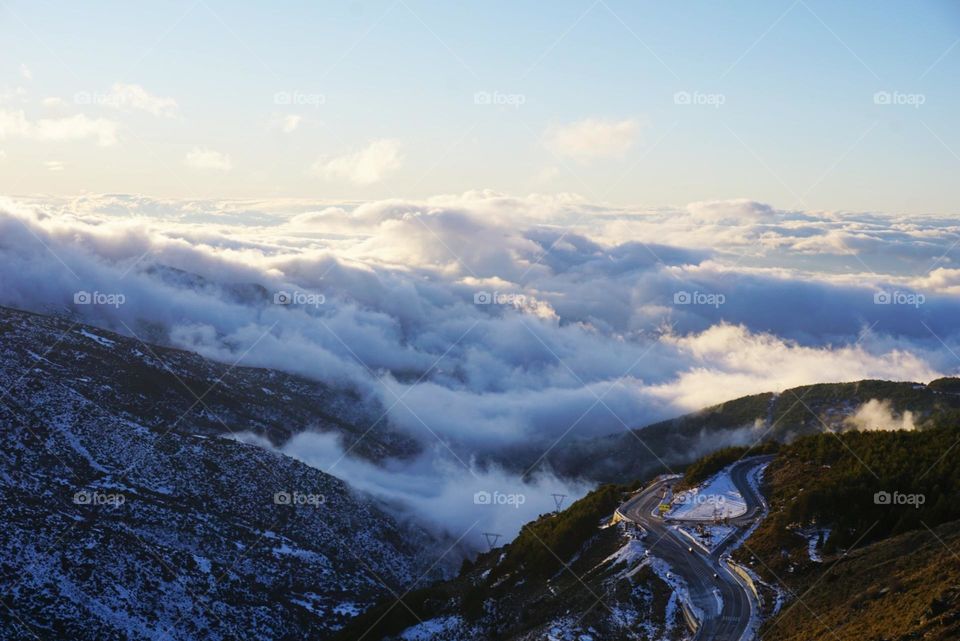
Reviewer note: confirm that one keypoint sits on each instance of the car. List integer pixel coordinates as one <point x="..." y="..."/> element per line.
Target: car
<point x="690" y="549"/>
<point x="716" y="576"/>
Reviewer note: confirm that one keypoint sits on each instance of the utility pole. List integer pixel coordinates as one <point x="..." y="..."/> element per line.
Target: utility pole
<point x="492" y="539"/>
<point x="558" y="500"/>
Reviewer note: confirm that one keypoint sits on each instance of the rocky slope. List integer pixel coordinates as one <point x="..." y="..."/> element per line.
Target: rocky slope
<point x="121" y="520"/>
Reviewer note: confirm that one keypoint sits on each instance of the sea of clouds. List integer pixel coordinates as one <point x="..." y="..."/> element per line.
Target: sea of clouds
<point x="484" y="324"/>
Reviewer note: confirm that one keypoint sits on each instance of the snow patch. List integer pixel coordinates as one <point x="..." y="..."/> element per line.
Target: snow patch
<point x="431" y="628"/>
<point x="715" y="500"/>
<point x="106" y="342"/>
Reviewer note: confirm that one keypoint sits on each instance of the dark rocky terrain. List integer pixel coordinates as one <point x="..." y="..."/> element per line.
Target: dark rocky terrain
<point x="126" y="516"/>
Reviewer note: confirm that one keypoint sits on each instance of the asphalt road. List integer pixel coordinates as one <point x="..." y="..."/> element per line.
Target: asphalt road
<point x="731" y="621"/>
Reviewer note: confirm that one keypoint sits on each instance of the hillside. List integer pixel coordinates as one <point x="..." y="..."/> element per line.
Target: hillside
<point x="160" y="387"/>
<point x="861" y="536"/>
<point x="114" y="526"/>
<point x="748" y="420"/>
<point x="829" y="559"/>
<point x="566" y="575"/>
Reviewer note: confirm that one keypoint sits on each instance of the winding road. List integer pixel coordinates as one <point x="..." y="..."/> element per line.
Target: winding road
<point x="728" y="617"/>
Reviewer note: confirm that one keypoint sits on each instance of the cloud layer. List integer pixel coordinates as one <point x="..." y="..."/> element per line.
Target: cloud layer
<point x="489" y="326"/>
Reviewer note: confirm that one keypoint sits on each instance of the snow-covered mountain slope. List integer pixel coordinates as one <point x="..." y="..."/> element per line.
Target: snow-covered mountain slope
<point x="115" y="526"/>
<point x="175" y="389"/>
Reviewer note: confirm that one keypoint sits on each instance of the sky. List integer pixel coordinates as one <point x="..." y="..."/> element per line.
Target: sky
<point x="801" y="103"/>
<point x="507" y="225"/>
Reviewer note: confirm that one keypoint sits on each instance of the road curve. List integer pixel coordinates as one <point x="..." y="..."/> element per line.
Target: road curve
<point x="731" y="621"/>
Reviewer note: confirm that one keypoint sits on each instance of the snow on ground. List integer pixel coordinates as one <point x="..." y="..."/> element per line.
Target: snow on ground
<point x="633" y="554"/>
<point x="676" y="583"/>
<point x="430" y="628"/>
<point x="714" y="500"/>
<point x="813" y="537"/>
<point x="708" y="536"/>
<point x="754" y="478"/>
<point x="106" y="342"/>
<point x="568" y="629"/>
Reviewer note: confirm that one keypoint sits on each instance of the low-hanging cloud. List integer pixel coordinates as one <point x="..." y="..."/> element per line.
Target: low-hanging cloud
<point x="878" y="415"/>
<point x="486" y="325"/>
<point x="456" y="499"/>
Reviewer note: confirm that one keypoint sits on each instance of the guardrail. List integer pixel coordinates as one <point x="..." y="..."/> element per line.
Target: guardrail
<point x="689" y="618"/>
<point x="743" y="574"/>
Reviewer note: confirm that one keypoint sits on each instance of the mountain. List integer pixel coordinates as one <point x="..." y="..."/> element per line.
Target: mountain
<point x="127" y="515"/>
<point x="781" y="417"/>
<point x="863" y="536"/>
<point x="165" y="388"/>
<point x="844" y="549"/>
<point x="565" y="575"/>
<point x="124" y="515"/>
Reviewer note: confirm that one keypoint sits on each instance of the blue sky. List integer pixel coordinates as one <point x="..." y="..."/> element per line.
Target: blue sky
<point x="183" y="100"/>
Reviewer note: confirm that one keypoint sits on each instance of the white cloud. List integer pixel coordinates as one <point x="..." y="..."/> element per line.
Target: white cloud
<point x="739" y="209"/>
<point x="877" y="415"/>
<point x="287" y="124"/>
<point x="399" y="279"/>
<point x="15" y="124"/>
<point x="592" y="138"/>
<point x="208" y="159"/>
<point x="364" y="167"/>
<point x="53" y="165"/>
<point x="25" y="72"/>
<point x="132" y="97"/>
<point x="53" y="102"/>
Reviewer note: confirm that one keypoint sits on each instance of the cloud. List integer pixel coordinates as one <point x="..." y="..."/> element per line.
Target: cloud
<point x="15" y="124"/>
<point x="742" y="209"/>
<point x="364" y="167"/>
<point x="442" y="493"/>
<point x="207" y="159"/>
<point x="129" y="97"/>
<point x="592" y="138"/>
<point x="287" y="124"/>
<point x="499" y="321"/>
<point x="877" y="415"/>
<point x="25" y="72"/>
<point x="53" y="102"/>
<point x="53" y="165"/>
